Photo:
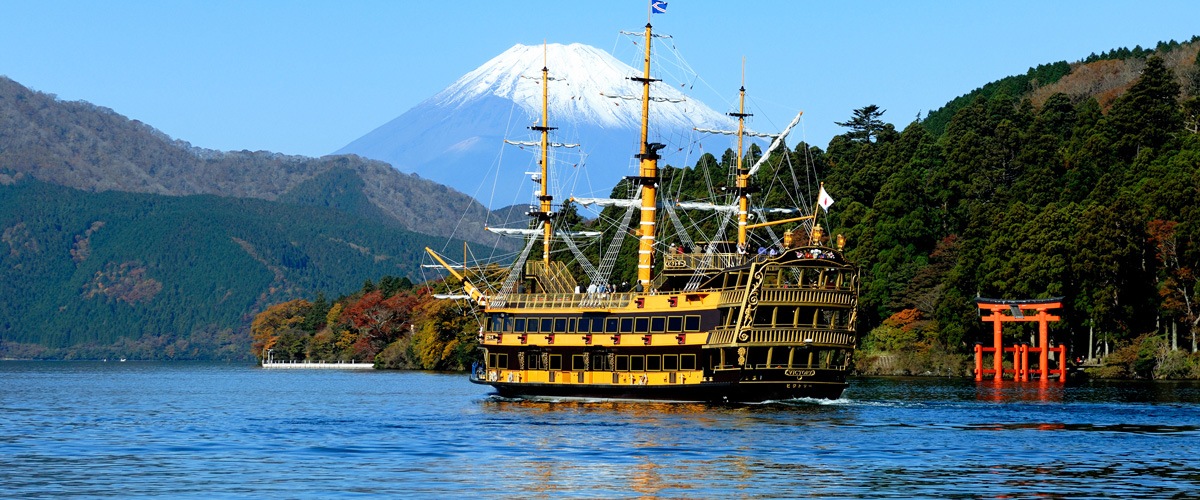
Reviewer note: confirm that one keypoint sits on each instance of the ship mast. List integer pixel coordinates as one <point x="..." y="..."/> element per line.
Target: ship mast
<point x="647" y="176"/>
<point x="743" y="173"/>
<point x="544" y="213"/>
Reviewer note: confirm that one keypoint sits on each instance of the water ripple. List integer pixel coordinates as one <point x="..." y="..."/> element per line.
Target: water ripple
<point x="79" y="429"/>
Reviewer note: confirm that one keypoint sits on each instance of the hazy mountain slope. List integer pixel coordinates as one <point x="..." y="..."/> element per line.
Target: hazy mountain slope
<point x="92" y="148"/>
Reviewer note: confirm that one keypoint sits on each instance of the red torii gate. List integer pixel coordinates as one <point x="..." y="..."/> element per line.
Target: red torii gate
<point x="1016" y="310"/>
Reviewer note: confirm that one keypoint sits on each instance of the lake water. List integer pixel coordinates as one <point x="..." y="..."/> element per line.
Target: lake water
<point x="203" y="430"/>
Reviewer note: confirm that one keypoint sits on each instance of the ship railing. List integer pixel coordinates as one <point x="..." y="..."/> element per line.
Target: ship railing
<point x="787" y="336"/>
<point x="568" y="300"/>
<point x="729" y="297"/>
<point x="793" y="295"/>
<point x="701" y="261"/>
<point x="803" y="295"/>
<point x="552" y="275"/>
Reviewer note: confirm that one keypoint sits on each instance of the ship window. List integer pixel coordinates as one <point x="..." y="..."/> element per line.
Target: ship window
<point x="610" y="325"/>
<point x="670" y="362"/>
<point x="763" y="315"/>
<point x="831" y="358"/>
<point x="687" y="361"/>
<point x="626" y="325"/>
<point x="675" y="324"/>
<point x="555" y="361"/>
<point x="637" y="363"/>
<point x="519" y="325"/>
<point x="578" y="362"/>
<point x="583" y="325"/>
<point x="533" y="361"/>
<point x="691" y="323"/>
<point x="641" y="325"/>
<point x="756" y="357"/>
<point x="653" y="363"/>
<point x="784" y="315"/>
<point x="497" y="360"/>
<point x="571" y="327"/>
<point x="532" y="325"/>
<point x="560" y="325"/>
<point x="658" y="324"/>
<point x="547" y="325"/>
<point x="622" y="363"/>
<point x="839" y="359"/>
<point x="497" y="323"/>
<point x="508" y="324"/>
<point x="600" y="362"/>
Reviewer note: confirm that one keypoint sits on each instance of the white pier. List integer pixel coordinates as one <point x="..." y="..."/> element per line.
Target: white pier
<point x="320" y="365"/>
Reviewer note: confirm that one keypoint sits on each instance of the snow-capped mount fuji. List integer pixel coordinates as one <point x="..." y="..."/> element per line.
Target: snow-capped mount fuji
<point x="456" y="137"/>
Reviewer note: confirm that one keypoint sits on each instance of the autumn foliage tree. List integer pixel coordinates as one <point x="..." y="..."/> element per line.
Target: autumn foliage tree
<point x="269" y="324"/>
<point x="392" y="324"/>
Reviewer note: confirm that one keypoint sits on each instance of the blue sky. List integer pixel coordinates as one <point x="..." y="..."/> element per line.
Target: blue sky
<point x="308" y="77"/>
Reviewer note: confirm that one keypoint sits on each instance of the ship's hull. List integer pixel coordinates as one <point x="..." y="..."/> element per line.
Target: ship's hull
<point x="708" y="392"/>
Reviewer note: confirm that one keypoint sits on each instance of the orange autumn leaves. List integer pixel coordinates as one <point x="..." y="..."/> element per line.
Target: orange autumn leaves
<point x="407" y="329"/>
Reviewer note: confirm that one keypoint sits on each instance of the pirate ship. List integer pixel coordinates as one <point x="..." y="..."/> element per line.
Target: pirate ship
<point x="706" y="319"/>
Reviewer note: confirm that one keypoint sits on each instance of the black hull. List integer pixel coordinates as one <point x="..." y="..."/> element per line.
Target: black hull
<point x="709" y="392"/>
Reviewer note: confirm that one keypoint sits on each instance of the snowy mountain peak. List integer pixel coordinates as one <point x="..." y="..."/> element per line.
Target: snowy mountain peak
<point x="456" y="136"/>
<point x="586" y="87"/>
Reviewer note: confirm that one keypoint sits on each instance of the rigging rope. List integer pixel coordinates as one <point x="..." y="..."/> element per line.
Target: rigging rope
<point x="513" y="273"/>
<point x="588" y="268"/>
<point x="694" y="282"/>
<point x="610" y="256"/>
<point x="684" y="237"/>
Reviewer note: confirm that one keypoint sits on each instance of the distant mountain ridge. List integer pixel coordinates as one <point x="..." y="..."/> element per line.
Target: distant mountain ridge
<point x="456" y="136"/>
<point x="88" y="147"/>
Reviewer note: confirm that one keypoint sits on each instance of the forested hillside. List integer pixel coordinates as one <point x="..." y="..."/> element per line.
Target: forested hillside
<point x="1090" y="192"/>
<point x="1097" y="204"/>
<point x="88" y="275"/>
<point x="92" y="148"/>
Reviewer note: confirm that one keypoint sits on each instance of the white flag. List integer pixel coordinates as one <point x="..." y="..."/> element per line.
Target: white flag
<point x="824" y="200"/>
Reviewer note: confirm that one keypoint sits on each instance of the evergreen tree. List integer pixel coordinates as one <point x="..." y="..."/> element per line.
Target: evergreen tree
<point x="1147" y="115"/>
<point x="866" y="123"/>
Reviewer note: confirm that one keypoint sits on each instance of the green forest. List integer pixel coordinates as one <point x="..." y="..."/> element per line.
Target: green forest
<point x="89" y="275"/>
<point x="1010" y="192"/>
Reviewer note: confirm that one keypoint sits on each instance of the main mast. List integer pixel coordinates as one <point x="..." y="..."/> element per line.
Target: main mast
<point x="743" y="173"/>
<point x="647" y="177"/>
<point x="544" y="214"/>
